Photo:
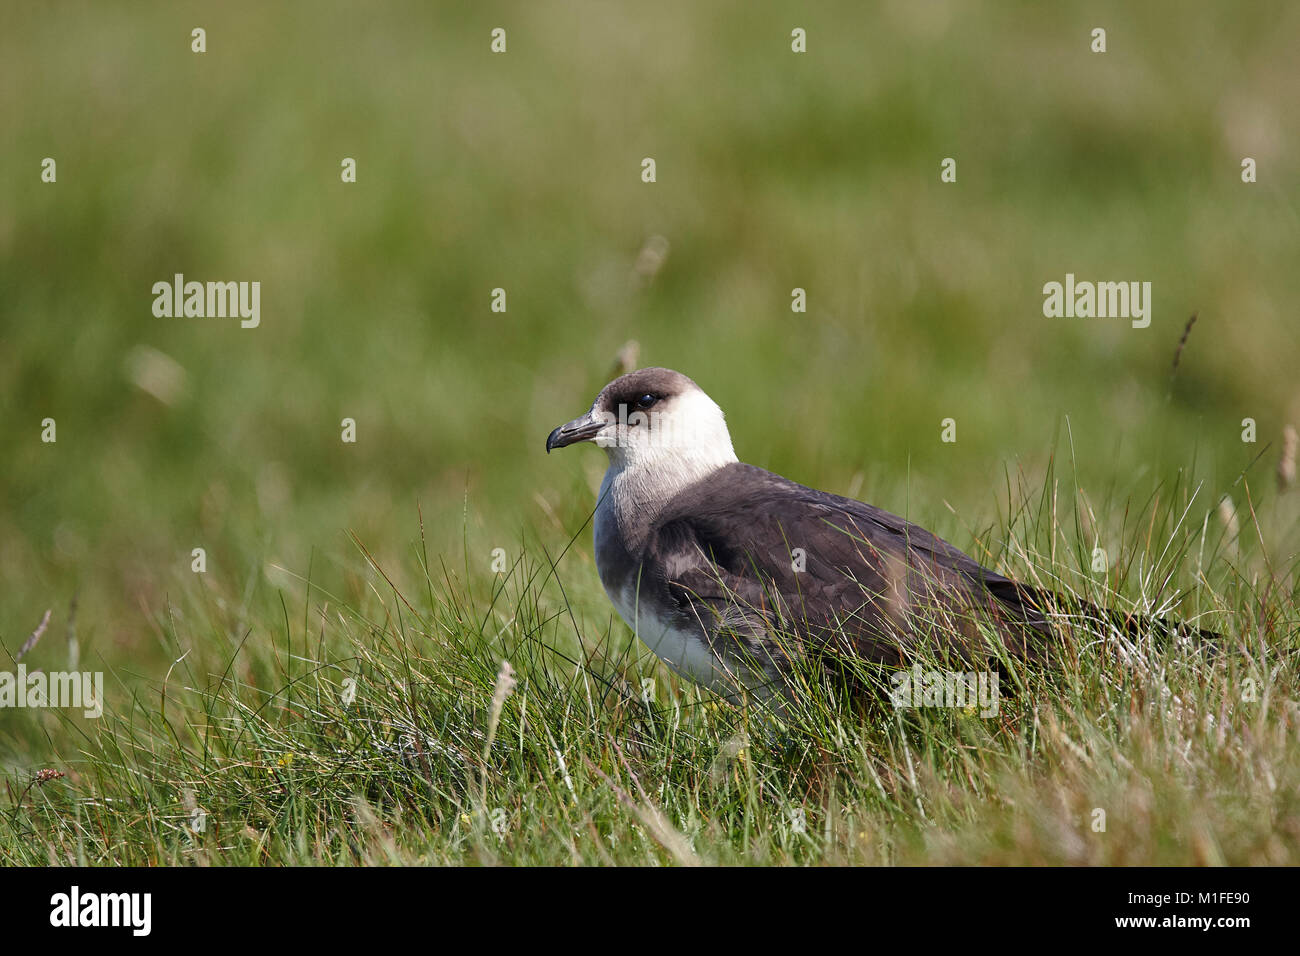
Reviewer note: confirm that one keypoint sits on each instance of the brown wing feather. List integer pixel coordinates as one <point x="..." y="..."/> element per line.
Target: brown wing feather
<point x="867" y="576"/>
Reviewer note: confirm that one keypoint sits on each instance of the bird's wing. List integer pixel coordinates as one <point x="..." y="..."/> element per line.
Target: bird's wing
<point x="752" y="554"/>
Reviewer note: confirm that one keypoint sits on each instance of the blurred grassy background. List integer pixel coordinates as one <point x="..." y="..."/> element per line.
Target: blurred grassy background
<point x="522" y="171"/>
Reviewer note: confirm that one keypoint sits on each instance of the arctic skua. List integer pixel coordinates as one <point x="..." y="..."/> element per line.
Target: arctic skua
<point x="731" y="574"/>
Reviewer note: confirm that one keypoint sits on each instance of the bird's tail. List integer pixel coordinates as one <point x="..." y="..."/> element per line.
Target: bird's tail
<point x="1045" y="610"/>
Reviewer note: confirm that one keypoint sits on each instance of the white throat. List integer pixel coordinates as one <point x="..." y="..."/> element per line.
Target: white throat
<point x="648" y="466"/>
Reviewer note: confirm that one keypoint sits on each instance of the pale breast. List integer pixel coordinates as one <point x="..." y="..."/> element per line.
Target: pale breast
<point x="655" y="619"/>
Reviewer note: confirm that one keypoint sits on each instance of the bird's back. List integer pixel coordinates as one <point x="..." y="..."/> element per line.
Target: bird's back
<point x="746" y="552"/>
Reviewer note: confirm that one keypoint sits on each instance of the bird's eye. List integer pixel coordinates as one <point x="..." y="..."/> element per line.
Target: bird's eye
<point x="645" y="401"/>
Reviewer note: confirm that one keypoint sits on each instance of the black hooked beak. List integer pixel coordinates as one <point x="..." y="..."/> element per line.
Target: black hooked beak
<point x="580" y="429"/>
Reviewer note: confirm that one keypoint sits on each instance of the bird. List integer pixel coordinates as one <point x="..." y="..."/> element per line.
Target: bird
<point x="735" y="576"/>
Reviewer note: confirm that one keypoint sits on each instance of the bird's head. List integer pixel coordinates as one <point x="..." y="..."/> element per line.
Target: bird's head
<point x="653" y="417"/>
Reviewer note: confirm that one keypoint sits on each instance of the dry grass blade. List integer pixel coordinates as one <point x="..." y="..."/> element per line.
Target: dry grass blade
<point x="36" y="636"/>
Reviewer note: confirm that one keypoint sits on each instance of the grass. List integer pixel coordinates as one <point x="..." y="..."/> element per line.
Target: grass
<point x="381" y="730"/>
<point x="225" y="689"/>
